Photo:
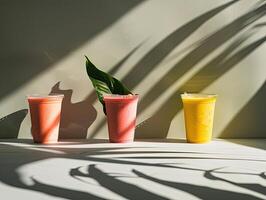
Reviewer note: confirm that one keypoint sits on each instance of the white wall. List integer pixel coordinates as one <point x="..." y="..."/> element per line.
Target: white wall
<point x="157" y="48"/>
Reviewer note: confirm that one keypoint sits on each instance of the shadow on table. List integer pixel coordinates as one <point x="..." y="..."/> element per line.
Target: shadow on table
<point x="202" y="192"/>
<point x="250" y="186"/>
<point x="122" y="188"/>
<point x="10" y="163"/>
<point x="10" y="176"/>
<point x="129" y="191"/>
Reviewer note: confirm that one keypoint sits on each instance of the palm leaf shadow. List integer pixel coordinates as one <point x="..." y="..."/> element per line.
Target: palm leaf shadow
<point x="127" y="190"/>
<point x="250" y="118"/>
<point x="263" y="175"/>
<point x="202" y="192"/>
<point x="204" y="49"/>
<point x="209" y="73"/>
<point x="10" y="176"/>
<point x="250" y="186"/>
<point x="56" y="191"/>
<point x="151" y="60"/>
<point x="76" y="173"/>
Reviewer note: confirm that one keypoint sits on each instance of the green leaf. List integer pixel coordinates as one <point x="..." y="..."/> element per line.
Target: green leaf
<point x="104" y="83"/>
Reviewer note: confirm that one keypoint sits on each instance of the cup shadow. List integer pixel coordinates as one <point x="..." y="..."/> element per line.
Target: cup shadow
<point x="76" y="118"/>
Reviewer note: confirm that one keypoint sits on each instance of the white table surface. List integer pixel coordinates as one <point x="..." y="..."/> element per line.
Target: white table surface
<point x="147" y="169"/>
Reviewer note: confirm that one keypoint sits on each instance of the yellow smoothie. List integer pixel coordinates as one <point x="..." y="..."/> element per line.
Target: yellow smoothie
<point x="198" y="113"/>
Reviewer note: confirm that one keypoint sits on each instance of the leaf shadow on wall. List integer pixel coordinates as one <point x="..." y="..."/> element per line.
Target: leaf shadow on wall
<point x="158" y="125"/>
<point x="151" y="60"/>
<point x="201" y="80"/>
<point x="36" y="34"/>
<point x="10" y="124"/>
<point x="252" y="117"/>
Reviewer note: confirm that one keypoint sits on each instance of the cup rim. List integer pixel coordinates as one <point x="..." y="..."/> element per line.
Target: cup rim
<point x="198" y="95"/>
<point x="119" y="97"/>
<point x="49" y="96"/>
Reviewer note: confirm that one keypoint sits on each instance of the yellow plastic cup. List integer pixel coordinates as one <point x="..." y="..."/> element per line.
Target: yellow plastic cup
<point x="199" y="114"/>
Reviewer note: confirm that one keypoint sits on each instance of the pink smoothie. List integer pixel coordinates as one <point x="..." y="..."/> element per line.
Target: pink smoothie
<point x="121" y="113"/>
<point x="45" y="111"/>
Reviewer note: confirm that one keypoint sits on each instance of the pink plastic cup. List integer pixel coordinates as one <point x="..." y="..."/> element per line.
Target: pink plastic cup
<point x="121" y="113"/>
<point x="45" y="111"/>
